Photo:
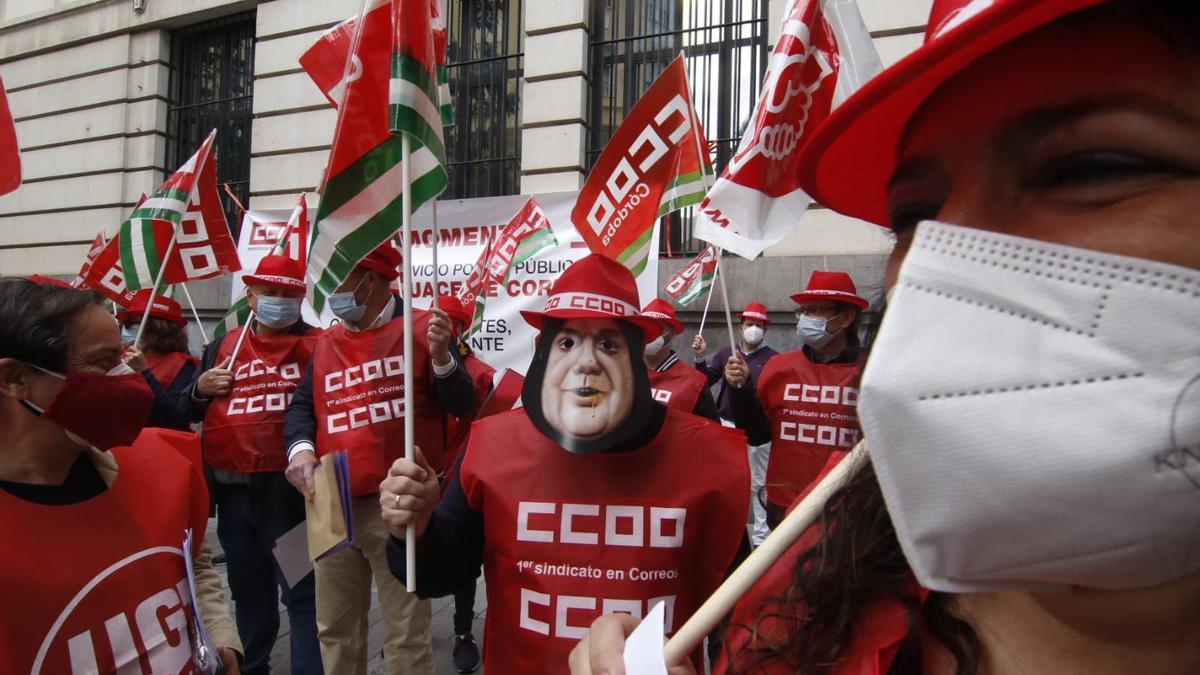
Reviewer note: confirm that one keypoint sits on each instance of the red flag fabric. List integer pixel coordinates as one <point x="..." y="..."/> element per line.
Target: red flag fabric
<point x="694" y="279"/>
<point x="105" y="274"/>
<point x="326" y="61"/>
<point x="651" y="166"/>
<point x="204" y="246"/>
<point x="10" y="151"/>
<point x="97" y="246"/>
<point x="496" y="258"/>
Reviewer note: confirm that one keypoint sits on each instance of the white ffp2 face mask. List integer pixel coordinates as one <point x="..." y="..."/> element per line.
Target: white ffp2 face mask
<point x="1034" y="414"/>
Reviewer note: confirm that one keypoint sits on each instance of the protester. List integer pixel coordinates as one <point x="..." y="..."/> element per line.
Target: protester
<point x="588" y="499"/>
<point x="352" y="399"/>
<point x="671" y="382"/>
<point x="466" y="651"/>
<point x="803" y="402"/>
<point x="93" y="571"/>
<point x="242" y="403"/>
<point x="756" y="353"/>
<point x="162" y="357"/>
<point x="1033" y="502"/>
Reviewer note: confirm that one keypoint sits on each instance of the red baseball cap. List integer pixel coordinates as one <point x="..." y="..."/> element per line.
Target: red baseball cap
<point x="162" y="308"/>
<point x="837" y="286"/>
<point x="385" y="260"/>
<point x="595" y="287"/>
<point x="756" y="311"/>
<point x="453" y="307"/>
<point x="848" y="161"/>
<point x="661" y="310"/>
<point x="277" y="270"/>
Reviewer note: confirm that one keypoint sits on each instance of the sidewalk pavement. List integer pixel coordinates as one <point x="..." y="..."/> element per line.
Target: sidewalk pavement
<point x="442" y="630"/>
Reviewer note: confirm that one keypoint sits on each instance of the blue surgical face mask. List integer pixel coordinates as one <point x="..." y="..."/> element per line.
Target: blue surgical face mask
<point x="345" y="307"/>
<point x="128" y="335"/>
<point x="811" y="330"/>
<point x="277" y="312"/>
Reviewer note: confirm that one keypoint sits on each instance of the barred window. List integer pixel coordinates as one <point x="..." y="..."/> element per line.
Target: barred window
<point x="485" y="63"/>
<point x="211" y="87"/>
<point x="725" y="45"/>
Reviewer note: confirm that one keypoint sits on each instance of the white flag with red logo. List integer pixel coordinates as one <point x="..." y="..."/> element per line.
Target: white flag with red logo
<point x="526" y="235"/>
<point x="651" y="166"/>
<point x="97" y="246"/>
<point x="185" y="207"/>
<point x="694" y="279"/>
<point x="824" y="53"/>
<point x="10" y="151"/>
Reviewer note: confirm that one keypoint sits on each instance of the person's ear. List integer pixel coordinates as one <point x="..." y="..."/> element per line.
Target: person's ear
<point x="13" y="382"/>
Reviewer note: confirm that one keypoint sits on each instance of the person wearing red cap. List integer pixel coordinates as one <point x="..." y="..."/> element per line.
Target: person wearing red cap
<point x="242" y="404"/>
<point x="672" y="383"/>
<point x="352" y="398"/>
<point x="588" y="499"/>
<point x="466" y="651"/>
<point x="162" y="357"/>
<point x="803" y="402"/>
<point x="755" y="353"/>
<point x="1027" y="508"/>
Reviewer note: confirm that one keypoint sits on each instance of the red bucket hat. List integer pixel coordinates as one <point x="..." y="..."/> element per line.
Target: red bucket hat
<point x="453" y="307"/>
<point x="385" y="260"/>
<point x="838" y="286"/>
<point x="49" y="281"/>
<point x="661" y="310"/>
<point x="848" y="161"/>
<point x="756" y="311"/>
<point x="162" y="308"/>
<point x="277" y="270"/>
<point x="595" y="287"/>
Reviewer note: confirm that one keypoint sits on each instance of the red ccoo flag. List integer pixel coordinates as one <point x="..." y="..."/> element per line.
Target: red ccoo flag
<point x="10" y="151"/>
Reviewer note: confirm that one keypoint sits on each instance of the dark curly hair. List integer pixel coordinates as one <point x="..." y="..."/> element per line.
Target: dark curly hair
<point x="35" y="320"/>
<point x="163" y="336"/>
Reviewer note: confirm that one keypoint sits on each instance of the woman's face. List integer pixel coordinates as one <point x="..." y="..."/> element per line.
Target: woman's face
<point x="587" y="390"/>
<point x="1085" y="134"/>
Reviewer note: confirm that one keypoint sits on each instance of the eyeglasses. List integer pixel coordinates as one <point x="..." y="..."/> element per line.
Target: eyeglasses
<point x="818" y="311"/>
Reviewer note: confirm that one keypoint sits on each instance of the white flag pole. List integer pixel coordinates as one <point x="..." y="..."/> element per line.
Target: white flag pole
<point x="162" y="268"/>
<point x="435" y="262"/>
<point x="199" y="324"/>
<point x="237" y="348"/>
<point x="708" y="299"/>
<point x="721" y="602"/>
<point x="410" y="533"/>
<point x="701" y="155"/>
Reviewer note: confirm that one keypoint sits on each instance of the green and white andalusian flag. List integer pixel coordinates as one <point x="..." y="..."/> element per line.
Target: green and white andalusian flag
<point x="694" y="279"/>
<point x="395" y="92"/>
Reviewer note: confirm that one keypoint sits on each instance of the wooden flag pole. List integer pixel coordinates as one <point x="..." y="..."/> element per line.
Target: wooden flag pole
<point x="199" y="324"/>
<point x="410" y="533"/>
<point x="162" y="268"/>
<point x="237" y="348"/>
<point x="721" y="602"/>
<point x="701" y="155"/>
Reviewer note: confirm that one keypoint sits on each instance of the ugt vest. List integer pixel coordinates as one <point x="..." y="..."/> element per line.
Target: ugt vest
<point x="813" y="412"/>
<point x="243" y="432"/>
<point x="358" y="398"/>
<point x="569" y="536"/>
<point x="100" y="586"/>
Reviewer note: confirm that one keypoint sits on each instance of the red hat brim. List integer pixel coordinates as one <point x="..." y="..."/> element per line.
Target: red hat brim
<point x="649" y="327"/>
<point x="850" y="158"/>
<point x="765" y="319"/>
<point x="861" y="303"/>
<point x="136" y="315"/>
<point x="281" y="282"/>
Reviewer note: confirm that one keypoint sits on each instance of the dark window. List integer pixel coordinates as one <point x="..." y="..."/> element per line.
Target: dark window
<point x="725" y="44"/>
<point x="485" y="65"/>
<point x="212" y="86"/>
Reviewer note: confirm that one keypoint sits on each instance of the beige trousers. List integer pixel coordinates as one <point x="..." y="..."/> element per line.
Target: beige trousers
<point x="344" y="598"/>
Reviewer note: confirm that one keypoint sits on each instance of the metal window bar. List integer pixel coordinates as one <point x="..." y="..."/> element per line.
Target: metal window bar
<point x="212" y="86"/>
<point x="485" y="64"/>
<point x="725" y="43"/>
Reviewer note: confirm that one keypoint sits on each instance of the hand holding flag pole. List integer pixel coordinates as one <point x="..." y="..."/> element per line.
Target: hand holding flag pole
<point x="410" y="532"/>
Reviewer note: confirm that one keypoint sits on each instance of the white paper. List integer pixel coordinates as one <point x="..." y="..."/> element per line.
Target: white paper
<point x="644" y="648"/>
<point x="291" y="552"/>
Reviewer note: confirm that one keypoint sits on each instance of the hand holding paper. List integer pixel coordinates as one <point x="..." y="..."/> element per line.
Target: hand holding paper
<point x="328" y="514"/>
<point x="618" y="643"/>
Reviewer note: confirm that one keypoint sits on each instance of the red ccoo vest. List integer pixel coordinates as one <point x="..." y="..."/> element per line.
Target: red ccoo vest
<point x="243" y="432"/>
<point x="101" y="586"/>
<point x="570" y="536"/>
<point x="358" y="398"/>
<point x="812" y="408"/>
<point x="678" y="387"/>
<point x="166" y="367"/>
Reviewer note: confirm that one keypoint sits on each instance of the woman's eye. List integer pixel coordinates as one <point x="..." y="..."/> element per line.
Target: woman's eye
<point x="1097" y="168"/>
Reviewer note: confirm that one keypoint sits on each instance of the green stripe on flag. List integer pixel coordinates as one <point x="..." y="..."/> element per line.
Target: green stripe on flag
<point x="239" y="314"/>
<point x="637" y="253"/>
